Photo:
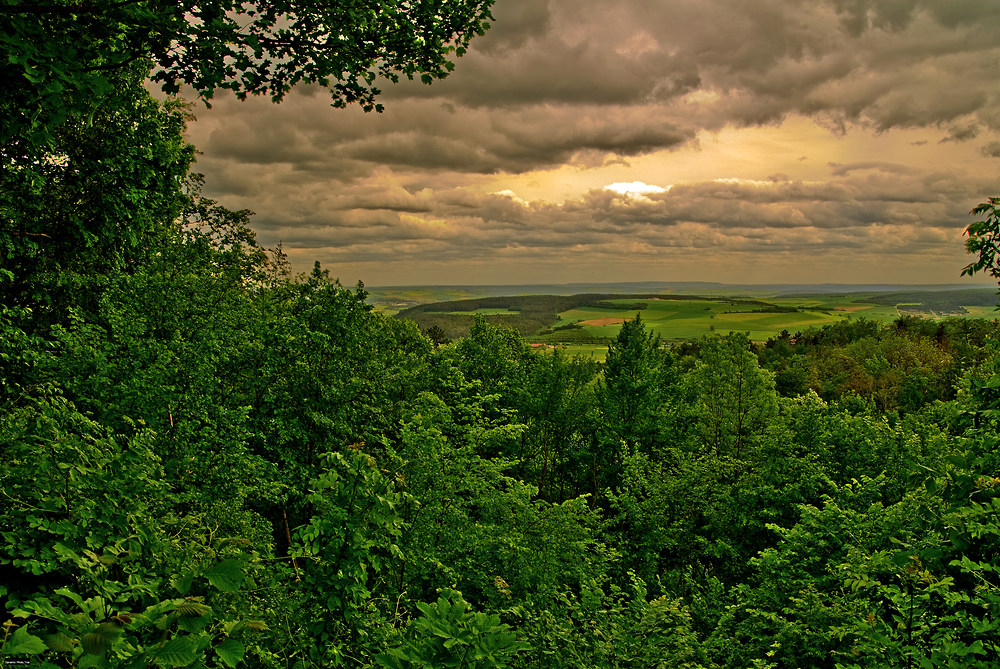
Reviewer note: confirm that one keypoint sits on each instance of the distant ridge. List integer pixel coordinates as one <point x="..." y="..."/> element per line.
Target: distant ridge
<point x="692" y="285"/>
<point x="434" y="293"/>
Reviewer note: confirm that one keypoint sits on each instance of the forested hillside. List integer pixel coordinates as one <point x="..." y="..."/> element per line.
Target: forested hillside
<point x="208" y="461"/>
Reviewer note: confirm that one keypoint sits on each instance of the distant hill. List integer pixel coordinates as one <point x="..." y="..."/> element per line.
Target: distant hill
<point x="525" y="313"/>
<point x="947" y="302"/>
<point x="399" y="297"/>
<point x="534" y="313"/>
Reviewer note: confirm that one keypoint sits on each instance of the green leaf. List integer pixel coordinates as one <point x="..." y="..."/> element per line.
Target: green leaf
<point x="902" y="558"/>
<point x="957" y="460"/>
<point x="227" y="575"/>
<point x="22" y="643"/>
<point x="230" y="652"/>
<point x="193" y="609"/>
<point x="178" y="652"/>
<point x="77" y="599"/>
<point x="88" y="661"/>
<point x="59" y="642"/>
<point x="194" y="625"/>
<point x="183" y="583"/>
<point x="95" y="643"/>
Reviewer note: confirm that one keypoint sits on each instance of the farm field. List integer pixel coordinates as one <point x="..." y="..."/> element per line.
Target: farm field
<point x="677" y="320"/>
<point x="983" y="312"/>
<point x="585" y="323"/>
<point x="686" y="319"/>
<point x="598" y="352"/>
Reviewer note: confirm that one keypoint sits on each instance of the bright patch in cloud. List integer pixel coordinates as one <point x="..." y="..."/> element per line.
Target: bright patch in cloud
<point x="423" y="220"/>
<point x="746" y="182"/>
<point x="701" y="97"/>
<point x="512" y="195"/>
<point x="635" y="189"/>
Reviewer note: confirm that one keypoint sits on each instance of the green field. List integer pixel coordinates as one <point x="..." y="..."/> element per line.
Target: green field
<point x="982" y="312"/>
<point x="585" y="323"/>
<point x="677" y="320"/>
<point x="597" y="351"/>
<point x="687" y="319"/>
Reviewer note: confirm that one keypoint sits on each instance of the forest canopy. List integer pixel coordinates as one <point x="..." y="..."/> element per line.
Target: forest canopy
<point x="206" y="460"/>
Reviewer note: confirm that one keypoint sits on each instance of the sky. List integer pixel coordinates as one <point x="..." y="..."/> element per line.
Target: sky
<point x="738" y="141"/>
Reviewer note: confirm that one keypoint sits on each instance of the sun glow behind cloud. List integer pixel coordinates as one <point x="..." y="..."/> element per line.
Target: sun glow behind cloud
<point x="800" y="143"/>
<point x="635" y="189"/>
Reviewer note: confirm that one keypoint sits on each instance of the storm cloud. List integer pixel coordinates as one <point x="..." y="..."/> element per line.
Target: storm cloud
<point x="781" y="140"/>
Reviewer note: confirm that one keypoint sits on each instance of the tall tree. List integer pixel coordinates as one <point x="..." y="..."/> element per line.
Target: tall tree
<point x="92" y="201"/>
<point x="630" y="394"/>
<point x="736" y="398"/>
<point x="557" y="410"/>
<point x="984" y="239"/>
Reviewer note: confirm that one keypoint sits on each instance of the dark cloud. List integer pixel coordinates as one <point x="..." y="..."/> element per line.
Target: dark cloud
<point x="517" y="23"/>
<point x="782" y="213"/>
<point x="961" y="133"/>
<point x="430" y="135"/>
<point x="585" y="85"/>
<point x="557" y="77"/>
<point x="992" y="150"/>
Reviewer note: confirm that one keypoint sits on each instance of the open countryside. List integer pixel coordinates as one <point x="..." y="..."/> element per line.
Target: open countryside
<point x="214" y="454"/>
<point x="595" y="319"/>
<point x="684" y="319"/>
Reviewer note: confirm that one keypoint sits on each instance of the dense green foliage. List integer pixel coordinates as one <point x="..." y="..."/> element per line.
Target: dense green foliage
<point x="206" y="461"/>
<point x="216" y="463"/>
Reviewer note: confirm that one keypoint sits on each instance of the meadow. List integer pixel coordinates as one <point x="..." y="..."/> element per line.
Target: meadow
<point x="675" y="320"/>
<point x="686" y="319"/>
<point x="584" y="324"/>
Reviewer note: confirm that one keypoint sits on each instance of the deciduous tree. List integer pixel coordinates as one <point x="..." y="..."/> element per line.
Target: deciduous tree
<point x="58" y="58"/>
<point x="630" y="395"/>
<point x="984" y="239"/>
<point x="736" y="398"/>
<point x="96" y="199"/>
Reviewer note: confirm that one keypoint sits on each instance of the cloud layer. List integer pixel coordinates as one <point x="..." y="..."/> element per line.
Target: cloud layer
<point x="787" y="140"/>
